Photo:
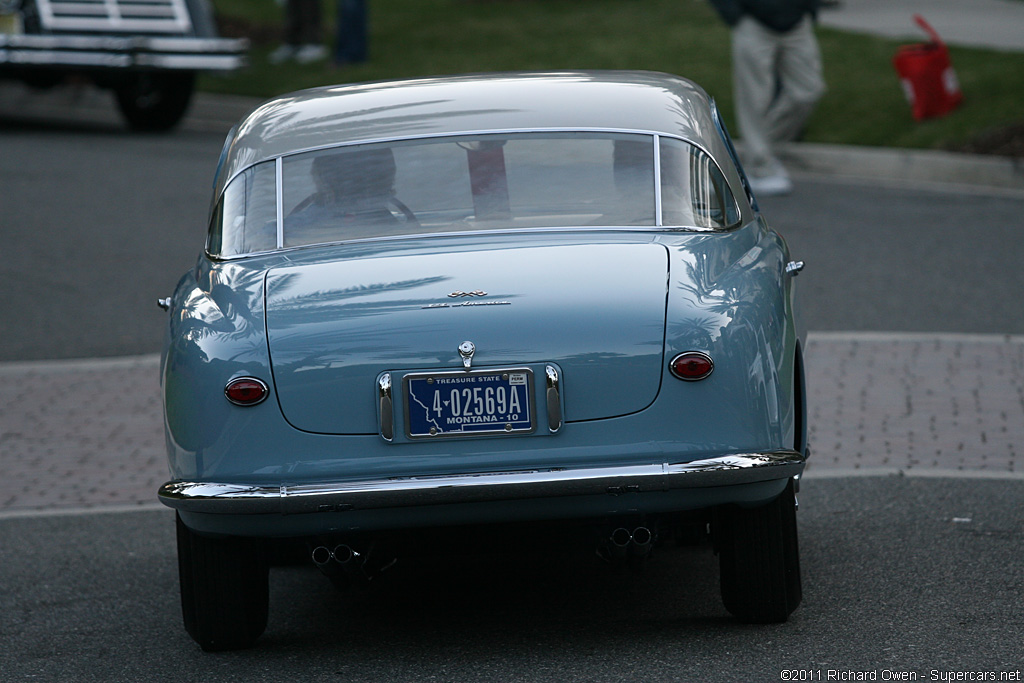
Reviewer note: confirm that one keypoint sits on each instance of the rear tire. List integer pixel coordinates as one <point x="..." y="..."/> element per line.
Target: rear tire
<point x="155" y="101"/>
<point x="759" y="559"/>
<point x="224" y="589"/>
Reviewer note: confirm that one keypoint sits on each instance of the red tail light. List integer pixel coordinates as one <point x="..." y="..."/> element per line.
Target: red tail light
<point x="246" y="391"/>
<point x="692" y="366"/>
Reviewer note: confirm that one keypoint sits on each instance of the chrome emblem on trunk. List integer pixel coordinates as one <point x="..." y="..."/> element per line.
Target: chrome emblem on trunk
<point x="458" y="293"/>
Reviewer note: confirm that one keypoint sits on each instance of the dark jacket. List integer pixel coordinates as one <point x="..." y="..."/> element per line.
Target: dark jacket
<point x="778" y="15"/>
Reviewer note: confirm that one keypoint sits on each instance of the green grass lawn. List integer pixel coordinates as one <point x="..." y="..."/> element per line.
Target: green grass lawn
<point x="864" y="104"/>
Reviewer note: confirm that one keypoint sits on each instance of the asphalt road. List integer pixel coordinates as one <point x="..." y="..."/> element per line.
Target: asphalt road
<point x="102" y="223"/>
<point x="902" y="574"/>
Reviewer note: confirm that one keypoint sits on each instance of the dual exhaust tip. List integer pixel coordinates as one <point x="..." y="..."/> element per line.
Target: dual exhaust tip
<point x="342" y="563"/>
<point x="341" y="554"/>
<point x="624" y="544"/>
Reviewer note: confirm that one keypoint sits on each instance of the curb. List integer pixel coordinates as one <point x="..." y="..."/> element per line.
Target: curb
<point x="907" y="165"/>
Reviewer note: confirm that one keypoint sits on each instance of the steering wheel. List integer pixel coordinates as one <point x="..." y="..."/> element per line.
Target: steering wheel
<point x="410" y="217"/>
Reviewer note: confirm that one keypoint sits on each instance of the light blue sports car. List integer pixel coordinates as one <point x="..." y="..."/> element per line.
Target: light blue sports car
<point x="490" y="300"/>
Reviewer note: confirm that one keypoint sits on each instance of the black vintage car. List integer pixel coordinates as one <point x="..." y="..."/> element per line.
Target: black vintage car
<point x="146" y="51"/>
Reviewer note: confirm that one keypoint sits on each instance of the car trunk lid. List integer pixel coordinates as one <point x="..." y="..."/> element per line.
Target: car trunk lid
<point x="597" y="311"/>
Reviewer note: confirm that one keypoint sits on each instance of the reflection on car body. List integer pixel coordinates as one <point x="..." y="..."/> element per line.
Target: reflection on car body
<point x="473" y="300"/>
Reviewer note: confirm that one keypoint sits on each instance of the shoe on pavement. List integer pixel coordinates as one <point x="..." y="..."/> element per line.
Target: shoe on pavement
<point x="282" y="54"/>
<point x="773" y="185"/>
<point x="310" y="53"/>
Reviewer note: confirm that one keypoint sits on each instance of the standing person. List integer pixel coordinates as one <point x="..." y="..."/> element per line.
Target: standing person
<point x="777" y="80"/>
<point x="350" y="38"/>
<point x="303" y="33"/>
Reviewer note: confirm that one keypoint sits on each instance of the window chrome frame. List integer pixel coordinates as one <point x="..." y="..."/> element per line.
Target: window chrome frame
<point x="659" y="220"/>
<point x="279" y="189"/>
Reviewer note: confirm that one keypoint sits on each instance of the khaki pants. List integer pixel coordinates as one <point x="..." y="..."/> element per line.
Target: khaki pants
<point x="777" y="79"/>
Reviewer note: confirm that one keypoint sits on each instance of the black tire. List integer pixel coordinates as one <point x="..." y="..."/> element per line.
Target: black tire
<point x="759" y="559"/>
<point x="155" y="101"/>
<point x="224" y="589"/>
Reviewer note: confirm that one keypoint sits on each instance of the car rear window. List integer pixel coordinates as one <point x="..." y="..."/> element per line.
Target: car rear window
<point x="472" y="183"/>
<point x="245" y="219"/>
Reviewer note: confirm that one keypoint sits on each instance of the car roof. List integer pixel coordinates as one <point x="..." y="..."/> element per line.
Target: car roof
<point x="580" y="100"/>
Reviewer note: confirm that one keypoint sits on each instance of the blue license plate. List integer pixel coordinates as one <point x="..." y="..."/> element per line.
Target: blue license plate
<point x="469" y="403"/>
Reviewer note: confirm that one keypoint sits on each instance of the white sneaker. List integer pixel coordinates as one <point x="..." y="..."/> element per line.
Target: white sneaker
<point x="773" y="185"/>
<point x="310" y="53"/>
<point x="282" y="54"/>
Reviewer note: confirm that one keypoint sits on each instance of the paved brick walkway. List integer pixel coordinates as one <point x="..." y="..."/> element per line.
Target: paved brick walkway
<point x="918" y="404"/>
<point x="80" y="433"/>
<point x="88" y="434"/>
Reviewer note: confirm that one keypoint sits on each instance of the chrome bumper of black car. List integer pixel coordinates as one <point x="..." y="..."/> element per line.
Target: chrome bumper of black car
<point x="115" y="52"/>
<point x="726" y="470"/>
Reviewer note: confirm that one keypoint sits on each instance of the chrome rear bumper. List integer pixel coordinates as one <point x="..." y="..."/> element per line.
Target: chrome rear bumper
<point x="726" y="470"/>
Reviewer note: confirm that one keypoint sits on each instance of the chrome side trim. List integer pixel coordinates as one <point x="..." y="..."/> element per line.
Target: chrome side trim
<point x="724" y="470"/>
<point x="554" y="401"/>
<point x="387" y="407"/>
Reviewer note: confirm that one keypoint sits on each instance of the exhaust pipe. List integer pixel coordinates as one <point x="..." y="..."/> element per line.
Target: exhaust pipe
<point x="344" y="562"/>
<point x="615" y="547"/>
<point x="618" y="543"/>
<point x="641" y="542"/>
<point x="345" y="556"/>
<point x="624" y="545"/>
<point x="323" y="558"/>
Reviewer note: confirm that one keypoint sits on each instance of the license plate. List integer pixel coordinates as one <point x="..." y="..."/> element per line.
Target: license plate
<point x="469" y="403"/>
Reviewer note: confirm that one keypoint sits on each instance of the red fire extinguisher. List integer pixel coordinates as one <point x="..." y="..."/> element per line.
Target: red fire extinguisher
<point x="927" y="75"/>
